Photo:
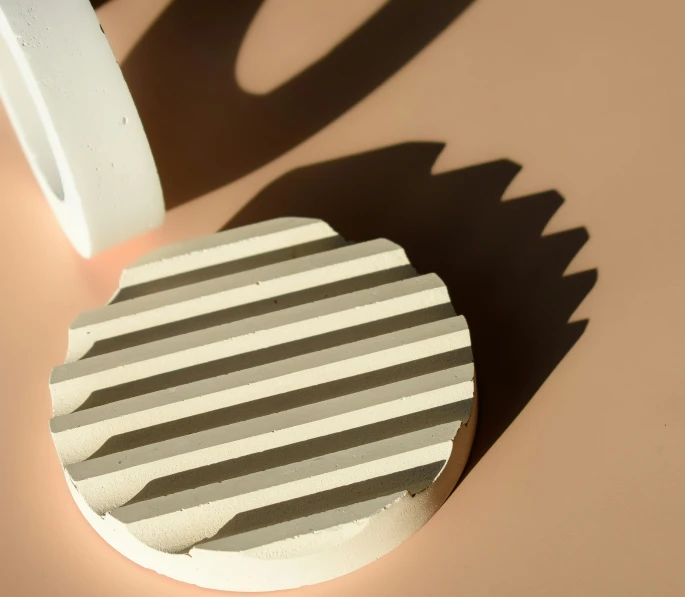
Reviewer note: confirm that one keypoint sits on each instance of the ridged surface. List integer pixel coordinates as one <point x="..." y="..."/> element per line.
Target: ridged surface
<point x="261" y="384"/>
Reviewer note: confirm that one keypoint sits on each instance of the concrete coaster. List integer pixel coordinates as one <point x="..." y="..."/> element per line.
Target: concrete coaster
<point x="266" y="407"/>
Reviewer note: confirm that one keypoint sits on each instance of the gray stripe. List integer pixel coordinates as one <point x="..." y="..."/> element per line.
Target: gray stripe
<point x="281" y="402"/>
<point x="241" y="531"/>
<point x="225" y="269"/>
<point x="265" y="356"/>
<point x="336" y="442"/>
<point x="271" y="305"/>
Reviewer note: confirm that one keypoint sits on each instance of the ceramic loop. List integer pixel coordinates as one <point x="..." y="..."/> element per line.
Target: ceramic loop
<point x="76" y="121"/>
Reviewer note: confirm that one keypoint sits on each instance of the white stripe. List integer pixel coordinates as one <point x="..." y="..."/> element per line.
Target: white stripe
<point x="223" y="247"/>
<point x="181" y="520"/>
<point x="247" y="335"/>
<point x="80" y="442"/>
<point x="231" y="291"/>
<point x="112" y="480"/>
<point x="267" y="380"/>
<point x="276" y="534"/>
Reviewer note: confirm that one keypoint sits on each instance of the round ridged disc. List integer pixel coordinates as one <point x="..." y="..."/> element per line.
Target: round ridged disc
<point x="265" y="407"/>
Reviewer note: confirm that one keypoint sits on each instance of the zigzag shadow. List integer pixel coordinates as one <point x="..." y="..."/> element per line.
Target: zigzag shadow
<point x="502" y="274"/>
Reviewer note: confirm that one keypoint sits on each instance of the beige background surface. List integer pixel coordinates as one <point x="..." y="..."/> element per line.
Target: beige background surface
<point x="584" y="494"/>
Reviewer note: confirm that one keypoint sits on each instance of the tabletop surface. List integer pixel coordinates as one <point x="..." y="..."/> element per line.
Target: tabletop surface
<point x="528" y="152"/>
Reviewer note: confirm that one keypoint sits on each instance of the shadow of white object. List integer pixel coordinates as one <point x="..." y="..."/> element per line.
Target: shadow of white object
<point x="77" y="123"/>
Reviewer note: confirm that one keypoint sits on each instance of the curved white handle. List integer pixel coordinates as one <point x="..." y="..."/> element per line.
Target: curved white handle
<point x="76" y="121"/>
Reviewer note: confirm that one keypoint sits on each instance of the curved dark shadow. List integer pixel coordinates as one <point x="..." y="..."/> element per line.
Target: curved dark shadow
<point x="502" y="274"/>
<point x="205" y="131"/>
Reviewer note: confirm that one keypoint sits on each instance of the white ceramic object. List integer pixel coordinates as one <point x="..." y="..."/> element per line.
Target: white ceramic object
<point x="77" y="123"/>
<point x="266" y="407"/>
